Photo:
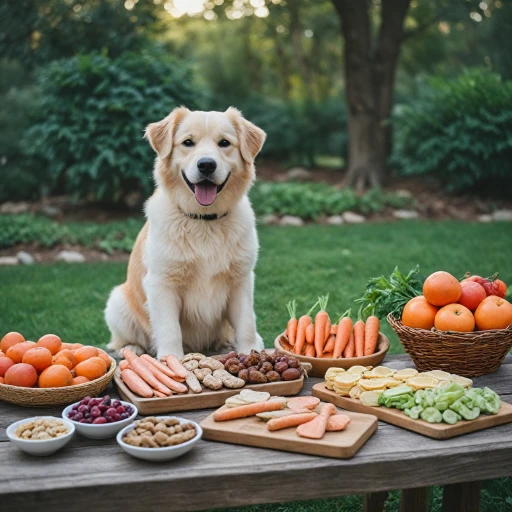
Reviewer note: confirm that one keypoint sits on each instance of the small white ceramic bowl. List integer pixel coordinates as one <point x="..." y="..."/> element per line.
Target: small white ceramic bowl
<point x="40" y="447"/>
<point x="164" y="453"/>
<point x="104" y="430"/>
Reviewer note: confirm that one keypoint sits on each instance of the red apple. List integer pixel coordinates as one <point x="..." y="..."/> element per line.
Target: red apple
<point x="472" y="294"/>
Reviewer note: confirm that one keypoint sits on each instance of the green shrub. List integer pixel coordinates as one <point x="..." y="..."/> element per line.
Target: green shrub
<point x="93" y="112"/>
<point x="460" y="132"/>
<point x="312" y="200"/>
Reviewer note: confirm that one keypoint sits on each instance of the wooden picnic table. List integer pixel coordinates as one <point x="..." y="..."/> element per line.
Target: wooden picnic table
<point x="89" y="475"/>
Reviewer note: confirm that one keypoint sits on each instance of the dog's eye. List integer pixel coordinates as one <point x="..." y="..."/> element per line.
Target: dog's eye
<point x="188" y="143"/>
<point x="224" y="143"/>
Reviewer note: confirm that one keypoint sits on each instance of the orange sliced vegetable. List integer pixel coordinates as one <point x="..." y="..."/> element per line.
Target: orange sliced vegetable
<point x="136" y="383"/>
<point x="291" y="420"/>
<point x="244" y="411"/>
<point x="315" y="429"/>
<point x="337" y="422"/>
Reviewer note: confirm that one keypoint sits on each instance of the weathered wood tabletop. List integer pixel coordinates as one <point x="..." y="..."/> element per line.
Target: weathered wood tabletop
<point x="97" y="475"/>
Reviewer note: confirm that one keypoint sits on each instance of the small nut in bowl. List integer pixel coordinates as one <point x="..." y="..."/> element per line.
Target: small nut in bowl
<point x="159" y="438"/>
<point x="41" y="435"/>
<point x="100" y="418"/>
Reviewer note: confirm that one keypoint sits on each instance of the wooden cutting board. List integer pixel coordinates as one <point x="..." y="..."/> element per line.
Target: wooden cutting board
<point x="205" y="400"/>
<point x="398" y="418"/>
<point x="253" y="432"/>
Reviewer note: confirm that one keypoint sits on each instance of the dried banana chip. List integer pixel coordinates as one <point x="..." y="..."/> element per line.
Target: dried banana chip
<point x="254" y="397"/>
<point x="332" y="372"/>
<point x="345" y="380"/>
<point x="461" y="381"/>
<point x="355" y="392"/>
<point x="393" y="383"/>
<point x="373" y="384"/>
<point x="383" y="371"/>
<point x="342" y="391"/>
<point x="439" y="375"/>
<point x="422" y="382"/>
<point x="358" y="369"/>
<point x="405" y="374"/>
<point x="370" y="398"/>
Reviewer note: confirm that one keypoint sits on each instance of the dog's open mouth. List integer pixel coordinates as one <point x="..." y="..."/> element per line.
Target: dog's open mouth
<point x="205" y="191"/>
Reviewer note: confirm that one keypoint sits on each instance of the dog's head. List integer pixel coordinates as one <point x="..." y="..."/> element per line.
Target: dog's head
<point x="205" y="159"/>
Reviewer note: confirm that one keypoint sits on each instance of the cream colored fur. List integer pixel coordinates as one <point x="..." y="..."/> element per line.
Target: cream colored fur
<point x="190" y="282"/>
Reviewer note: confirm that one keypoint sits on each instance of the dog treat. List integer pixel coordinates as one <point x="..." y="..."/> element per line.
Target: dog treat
<point x="191" y="365"/>
<point x="212" y="382"/>
<point x="193" y="356"/>
<point x="193" y="383"/>
<point x="158" y="433"/>
<point x="41" y="428"/>
<point x="211" y="363"/>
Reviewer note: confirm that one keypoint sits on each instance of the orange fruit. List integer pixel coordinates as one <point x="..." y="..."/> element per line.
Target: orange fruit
<point x="419" y="313"/>
<point x="472" y="294"/>
<point x="80" y="380"/>
<point x="55" y="376"/>
<point x="455" y="317"/>
<point x="75" y="346"/>
<point x="441" y="288"/>
<point x="92" y="368"/>
<point x="69" y="354"/>
<point x="84" y="353"/>
<point x="5" y="364"/>
<point x="63" y="360"/>
<point x="103" y="355"/>
<point x="493" y="313"/>
<point x="51" y="341"/>
<point x="39" y="357"/>
<point x="68" y="346"/>
<point x="16" y="352"/>
<point x="2" y="380"/>
<point x="10" y="339"/>
<point x="22" y="374"/>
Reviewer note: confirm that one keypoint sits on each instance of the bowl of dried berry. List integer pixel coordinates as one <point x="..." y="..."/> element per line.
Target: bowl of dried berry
<point x="159" y="438"/>
<point x="100" y="418"/>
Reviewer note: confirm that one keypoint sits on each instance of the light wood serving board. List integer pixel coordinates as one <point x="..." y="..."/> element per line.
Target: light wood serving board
<point x="205" y="400"/>
<point x="398" y="418"/>
<point x="253" y="432"/>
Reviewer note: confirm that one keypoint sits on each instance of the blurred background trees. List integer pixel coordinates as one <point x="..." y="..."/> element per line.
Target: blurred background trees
<point x="372" y="88"/>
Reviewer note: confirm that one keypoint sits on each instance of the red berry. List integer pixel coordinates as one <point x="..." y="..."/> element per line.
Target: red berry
<point x="99" y="421"/>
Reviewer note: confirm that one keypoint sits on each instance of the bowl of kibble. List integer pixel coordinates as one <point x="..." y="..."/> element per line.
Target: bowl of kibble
<point x="159" y="438"/>
<point x="101" y="417"/>
<point x="41" y="435"/>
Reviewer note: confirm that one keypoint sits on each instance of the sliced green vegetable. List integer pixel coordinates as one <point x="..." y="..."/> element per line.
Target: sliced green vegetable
<point x="432" y="415"/>
<point x="450" y="417"/>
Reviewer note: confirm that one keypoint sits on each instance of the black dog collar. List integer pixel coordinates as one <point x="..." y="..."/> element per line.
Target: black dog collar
<point x="209" y="216"/>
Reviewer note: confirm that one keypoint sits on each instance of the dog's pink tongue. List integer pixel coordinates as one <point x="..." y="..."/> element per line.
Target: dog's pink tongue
<point x="206" y="192"/>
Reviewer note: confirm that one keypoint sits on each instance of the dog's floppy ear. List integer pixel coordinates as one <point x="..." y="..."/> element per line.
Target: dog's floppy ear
<point x="251" y="137"/>
<point x="161" y="134"/>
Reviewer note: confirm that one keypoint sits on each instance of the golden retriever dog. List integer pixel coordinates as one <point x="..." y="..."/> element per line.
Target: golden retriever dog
<point x="191" y="273"/>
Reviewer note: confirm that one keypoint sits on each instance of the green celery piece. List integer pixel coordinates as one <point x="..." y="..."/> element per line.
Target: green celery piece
<point x="398" y="391"/>
<point x="432" y="415"/>
<point x="450" y="417"/>
<point x="415" y="412"/>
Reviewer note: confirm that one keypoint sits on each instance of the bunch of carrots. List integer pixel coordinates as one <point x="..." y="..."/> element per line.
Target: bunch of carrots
<point x="323" y="339"/>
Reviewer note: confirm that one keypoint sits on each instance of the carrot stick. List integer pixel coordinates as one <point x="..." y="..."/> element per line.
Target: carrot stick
<point x="164" y="379"/>
<point x="329" y="344"/>
<point x="351" y="347"/>
<point x="315" y="429"/>
<point x="310" y="334"/>
<point x="326" y="355"/>
<point x="136" y="384"/>
<point x="142" y="371"/>
<point x="159" y="365"/>
<point x="343" y="334"/>
<point x="124" y="365"/>
<point x="158" y="394"/>
<point x="334" y="329"/>
<point x="291" y="329"/>
<point x="291" y="420"/>
<point x="244" y="411"/>
<point x="371" y="335"/>
<point x="321" y="319"/>
<point x="359" y="338"/>
<point x="304" y="321"/>
<point x="310" y="350"/>
<point x="175" y="365"/>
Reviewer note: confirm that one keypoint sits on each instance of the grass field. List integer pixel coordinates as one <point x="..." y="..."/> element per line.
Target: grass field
<point x="294" y="263"/>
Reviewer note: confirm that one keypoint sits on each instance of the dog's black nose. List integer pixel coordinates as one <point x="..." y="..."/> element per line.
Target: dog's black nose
<point x="207" y="165"/>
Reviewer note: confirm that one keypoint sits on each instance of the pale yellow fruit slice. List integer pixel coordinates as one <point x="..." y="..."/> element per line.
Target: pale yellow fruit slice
<point x="439" y="374"/>
<point x="355" y="392"/>
<point x="383" y="371"/>
<point x="254" y="397"/>
<point x="235" y="401"/>
<point x="405" y="374"/>
<point x="370" y="398"/>
<point x="358" y="369"/>
<point x="461" y="381"/>
<point x="422" y="382"/>
<point x="346" y="379"/>
<point x="393" y="383"/>
<point x="373" y="384"/>
<point x="329" y="384"/>
<point x="342" y="391"/>
<point x="332" y="372"/>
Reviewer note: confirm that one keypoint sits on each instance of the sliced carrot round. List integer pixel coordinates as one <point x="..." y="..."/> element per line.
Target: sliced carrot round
<point x="303" y="402"/>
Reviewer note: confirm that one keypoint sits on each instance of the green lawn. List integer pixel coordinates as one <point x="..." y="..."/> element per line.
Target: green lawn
<point x="299" y="263"/>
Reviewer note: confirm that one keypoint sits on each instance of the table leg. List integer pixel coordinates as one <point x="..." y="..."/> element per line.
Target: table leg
<point x="414" y="500"/>
<point x="463" y="497"/>
<point x="375" y="501"/>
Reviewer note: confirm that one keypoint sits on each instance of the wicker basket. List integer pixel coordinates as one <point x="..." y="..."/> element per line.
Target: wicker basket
<point x="470" y="354"/>
<point x="40" y="397"/>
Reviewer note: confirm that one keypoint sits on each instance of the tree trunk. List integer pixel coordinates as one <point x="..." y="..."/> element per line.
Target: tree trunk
<point x="369" y="78"/>
<point x="298" y="49"/>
